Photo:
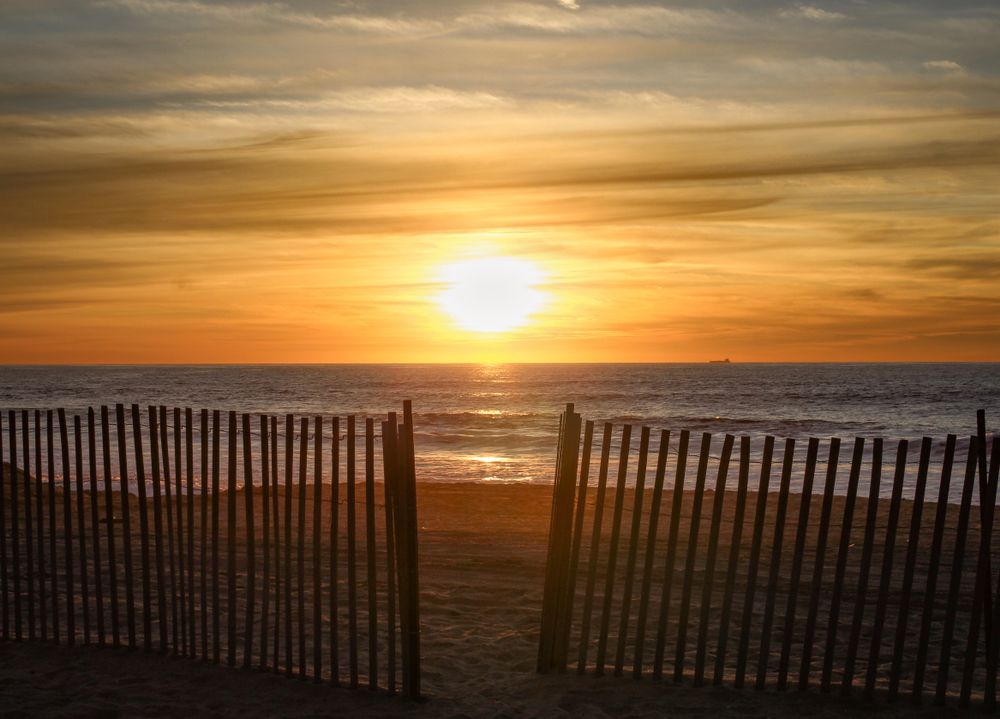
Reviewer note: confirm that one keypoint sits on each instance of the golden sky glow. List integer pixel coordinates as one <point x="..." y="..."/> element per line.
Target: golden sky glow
<point x="188" y="181"/>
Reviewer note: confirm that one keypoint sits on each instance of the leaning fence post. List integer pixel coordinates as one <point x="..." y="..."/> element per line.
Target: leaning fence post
<point x="752" y="568"/>
<point x="370" y="554"/>
<point x="805" y="501"/>
<point x="710" y="560"/>
<point x="647" y="569"/>
<point x="978" y="605"/>
<point x="161" y="594"/>
<point x="40" y="526"/>
<point x="888" y="551"/>
<point x="957" y="562"/>
<point x="847" y="681"/>
<point x="844" y="548"/>
<point x="564" y="590"/>
<point x="694" y="526"/>
<point x="67" y="530"/>
<point x="551" y="655"/>
<point x="317" y="587"/>
<point x="909" y="568"/>
<point x="15" y="529"/>
<point x="3" y="545"/>
<point x="595" y="546"/>
<point x="251" y="553"/>
<point x="94" y="521"/>
<point x="932" y="570"/>
<point x="633" y="551"/>
<point x="735" y="544"/>
<point x="412" y="688"/>
<point x="29" y="539"/>
<point x="548" y="597"/>
<point x="616" y="523"/>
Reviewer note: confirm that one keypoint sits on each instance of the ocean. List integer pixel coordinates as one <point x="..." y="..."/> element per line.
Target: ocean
<point x="498" y="423"/>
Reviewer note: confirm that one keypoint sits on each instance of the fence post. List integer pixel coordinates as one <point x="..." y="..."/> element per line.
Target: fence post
<point x="633" y="551"/>
<point x="411" y="688"/>
<point x="551" y="656"/>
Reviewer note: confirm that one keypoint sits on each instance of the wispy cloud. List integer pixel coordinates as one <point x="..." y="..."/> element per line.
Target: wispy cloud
<point x="274" y="13"/>
<point x="944" y="66"/>
<point x="813" y="12"/>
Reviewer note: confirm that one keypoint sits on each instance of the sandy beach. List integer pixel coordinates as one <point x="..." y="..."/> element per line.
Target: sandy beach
<point x="482" y="562"/>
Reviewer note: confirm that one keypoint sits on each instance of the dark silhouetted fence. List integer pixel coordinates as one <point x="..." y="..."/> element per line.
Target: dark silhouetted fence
<point x="717" y="559"/>
<point x="194" y="543"/>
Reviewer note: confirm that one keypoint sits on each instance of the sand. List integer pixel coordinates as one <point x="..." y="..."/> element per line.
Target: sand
<point x="482" y="562"/>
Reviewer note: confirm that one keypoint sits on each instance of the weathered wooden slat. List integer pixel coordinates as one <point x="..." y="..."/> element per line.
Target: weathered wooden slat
<point x="549" y="601"/>
<point x="578" y="523"/>
<point x="203" y="534"/>
<point x="289" y="486"/>
<point x="647" y="570"/>
<point x="680" y="651"/>
<point x="412" y="677"/>
<point x="300" y="544"/>
<point x="28" y="527"/>
<point x="265" y="483"/>
<point x="352" y="579"/>
<point x="251" y="545"/>
<point x="163" y="444"/>
<point x="123" y="480"/>
<point x="805" y="667"/>
<point x="140" y="483"/>
<point x="718" y="498"/>
<point x="317" y="585"/>
<point x="595" y="548"/>
<point x="735" y="544"/>
<point x="388" y="479"/>
<point x="4" y="586"/>
<point x="95" y="521"/>
<point x="774" y="571"/>
<point x="40" y="529"/>
<point x="986" y="510"/>
<point x="801" y="533"/>
<point x="178" y="606"/>
<point x="216" y="500"/>
<point x="957" y="563"/>
<point x="888" y="557"/>
<point x="51" y="466"/>
<point x="276" y="515"/>
<point x="913" y="547"/>
<point x="231" y="607"/>
<point x="616" y="524"/>
<point x="982" y="576"/>
<point x="633" y="550"/>
<point x="109" y="513"/>
<point x="671" y="557"/>
<point x="68" y="533"/>
<point x="864" y="570"/>
<point x="333" y="551"/>
<point x="930" y="588"/>
<point x="15" y="526"/>
<point x="81" y="527"/>
<point x="564" y="530"/>
<point x="754" y="564"/>
<point x="370" y="557"/>
<point x="189" y="525"/>
<point x="842" y="554"/>
<point x="161" y="594"/>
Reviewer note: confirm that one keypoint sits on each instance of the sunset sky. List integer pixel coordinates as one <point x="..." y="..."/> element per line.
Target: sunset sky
<point x="194" y="181"/>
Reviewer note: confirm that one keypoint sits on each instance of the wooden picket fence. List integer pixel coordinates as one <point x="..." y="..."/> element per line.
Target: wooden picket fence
<point x="207" y="569"/>
<point x="725" y="583"/>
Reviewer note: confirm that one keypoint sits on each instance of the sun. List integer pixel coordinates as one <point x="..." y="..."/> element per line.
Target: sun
<point x="491" y="294"/>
